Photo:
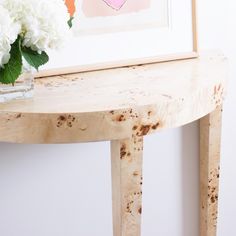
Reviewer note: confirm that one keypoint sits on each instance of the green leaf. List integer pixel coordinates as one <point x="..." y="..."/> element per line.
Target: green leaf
<point x="70" y="21"/>
<point x="12" y="70"/>
<point x="34" y="58"/>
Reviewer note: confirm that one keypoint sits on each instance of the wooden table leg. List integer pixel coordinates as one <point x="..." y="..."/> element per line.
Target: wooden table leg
<point x="210" y="142"/>
<point x="126" y="156"/>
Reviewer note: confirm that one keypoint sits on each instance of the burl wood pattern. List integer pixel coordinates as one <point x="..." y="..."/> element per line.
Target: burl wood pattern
<point x="127" y="186"/>
<point x="210" y="139"/>
<point x="112" y="104"/>
<point x="123" y="105"/>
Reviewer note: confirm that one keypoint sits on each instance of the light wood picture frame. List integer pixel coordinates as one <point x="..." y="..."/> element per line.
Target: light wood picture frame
<point x="62" y="63"/>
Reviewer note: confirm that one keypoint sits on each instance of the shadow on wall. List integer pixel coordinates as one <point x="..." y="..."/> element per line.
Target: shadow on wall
<point x="190" y="182"/>
<point x="53" y="187"/>
<point x="170" y="190"/>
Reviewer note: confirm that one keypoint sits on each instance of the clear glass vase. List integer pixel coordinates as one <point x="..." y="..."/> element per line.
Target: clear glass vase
<point x="23" y="87"/>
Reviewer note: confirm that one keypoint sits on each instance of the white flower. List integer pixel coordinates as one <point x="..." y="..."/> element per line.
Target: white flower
<point x="43" y="22"/>
<point x="8" y="34"/>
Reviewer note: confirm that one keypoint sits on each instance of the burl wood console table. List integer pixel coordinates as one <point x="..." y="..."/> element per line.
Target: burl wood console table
<point x="123" y="105"/>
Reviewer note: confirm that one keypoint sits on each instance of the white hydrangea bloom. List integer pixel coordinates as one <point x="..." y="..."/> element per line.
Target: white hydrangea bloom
<point x="43" y="22"/>
<point x="8" y="34"/>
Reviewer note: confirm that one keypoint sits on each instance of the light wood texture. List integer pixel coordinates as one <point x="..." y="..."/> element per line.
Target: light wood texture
<point x="117" y="103"/>
<point x="123" y="105"/>
<point x="210" y="140"/>
<point x="195" y="26"/>
<point x="127" y="186"/>
<point x="117" y="64"/>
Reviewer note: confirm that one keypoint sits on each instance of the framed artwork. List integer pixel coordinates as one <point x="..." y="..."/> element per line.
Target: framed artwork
<point x="115" y="33"/>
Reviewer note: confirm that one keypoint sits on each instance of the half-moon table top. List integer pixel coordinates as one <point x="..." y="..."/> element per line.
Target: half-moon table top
<point x="116" y="103"/>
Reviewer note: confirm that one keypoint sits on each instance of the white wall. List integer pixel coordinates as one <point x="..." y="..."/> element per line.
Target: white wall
<point x="220" y="30"/>
<point x="58" y="190"/>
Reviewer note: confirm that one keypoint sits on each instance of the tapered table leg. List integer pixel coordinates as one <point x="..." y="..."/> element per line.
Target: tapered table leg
<point x="126" y="156"/>
<point x="210" y="142"/>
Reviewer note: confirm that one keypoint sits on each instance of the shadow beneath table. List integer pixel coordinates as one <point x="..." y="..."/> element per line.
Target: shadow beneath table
<point x="190" y="179"/>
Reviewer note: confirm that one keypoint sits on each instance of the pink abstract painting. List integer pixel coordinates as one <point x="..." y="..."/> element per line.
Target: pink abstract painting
<point x="116" y="4"/>
<point x="103" y="8"/>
